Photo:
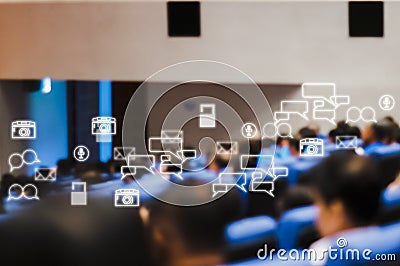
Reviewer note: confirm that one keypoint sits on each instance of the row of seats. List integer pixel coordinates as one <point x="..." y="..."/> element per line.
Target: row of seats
<point x="251" y="235"/>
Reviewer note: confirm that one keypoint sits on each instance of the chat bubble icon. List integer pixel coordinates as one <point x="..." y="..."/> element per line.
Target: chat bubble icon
<point x="269" y="130"/>
<point x="353" y="114"/>
<point x="187" y="154"/>
<point x="324" y="91"/>
<point x="171" y="146"/>
<point x="16" y="192"/>
<point x="295" y="107"/>
<point x="165" y="144"/>
<point x="324" y="114"/>
<point x="341" y="100"/>
<point x="31" y="192"/>
<point x="177" y="173"/>
<point x="15" y="161"/>
<point x="367" y="114"/>
<point x="284" y="130"/>
<point x="262" y="186"/>
<point x="280" y="172"/>
<point x="219" y="188"/>
<point x="127" y="171"/>
<point x="169" y="167"/>
<point x="261" y="162"/>
<point x="146" y="162"/>
<point x="281" y="116"/>
<point x="238" y="180"/>
<point x="28" y="157"/>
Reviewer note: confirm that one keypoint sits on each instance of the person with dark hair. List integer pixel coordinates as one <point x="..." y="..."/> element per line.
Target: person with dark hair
<point x="354" y="131"/>
<point x="282" y="148"/>
<point x="305" y="132"/>
<point x="397" y="135"/>
<point x="373" y="136"/>
<point x="347" y="193"/>
<point x="342" y="125"/>
<point x="334" y="133"/>
<point x="294" y="197"/>
<point x="192" y="235"/>
<point x="294" y="147"/>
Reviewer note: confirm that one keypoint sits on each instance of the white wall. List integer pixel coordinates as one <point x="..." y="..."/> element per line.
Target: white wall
<point x="273" y="42"/>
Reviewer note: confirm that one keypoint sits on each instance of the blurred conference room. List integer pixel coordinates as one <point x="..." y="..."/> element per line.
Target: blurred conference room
<point x="195" y="133"/>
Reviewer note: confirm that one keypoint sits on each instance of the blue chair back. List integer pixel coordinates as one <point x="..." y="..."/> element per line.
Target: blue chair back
<point x="292" y="223"/>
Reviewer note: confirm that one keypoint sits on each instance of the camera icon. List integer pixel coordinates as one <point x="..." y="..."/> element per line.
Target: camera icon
<point x="311" y="147"/>
<point x="103" y="128"/>
<point x="126" y="198"/>
<point x="23" y="129"/>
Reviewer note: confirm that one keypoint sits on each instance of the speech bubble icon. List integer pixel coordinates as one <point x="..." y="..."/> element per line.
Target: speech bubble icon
<point x="281" y="116"/>
<point x="31" y="192"/>
<point x="353" y="114"/>
<point x="262" y="186"/>
<point x="295" y="107"/>
<point x="127" y="171"/>
<point x="187" y="155"/>
<point x="341" y="100"/>
<point x="11" y="161"/>
<point x="269" y="130"/>
<point x="30" y="157"/>
<point x="367" y="114"/>
<point x="284" y="130"/>
<point x="166" y="145"/>
<point x="324" y="90"/>
<point x="146" y="162"/>
<point x="280" y="172"/>
<point x="169" y="167"/>
<point x="325" y="114"/>
<point x="219" y="188"/>
<point x="234" y="179"/>
<point x="261" y="162"/>
<point x="15" y="192"/>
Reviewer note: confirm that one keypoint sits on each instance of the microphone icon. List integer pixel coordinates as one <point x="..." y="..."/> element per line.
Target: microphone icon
<point x="249" y="130"/>
<point x="386" y="102"/>
<point x="81" y="153"/>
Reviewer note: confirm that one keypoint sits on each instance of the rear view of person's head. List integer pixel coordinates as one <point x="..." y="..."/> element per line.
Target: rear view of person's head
<point x="373" y="133"/>
<point x="347" y="192"/>
<point x="192" y="235"/>
<point x="294" y="147"/>
<point x="305" y="132"/>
